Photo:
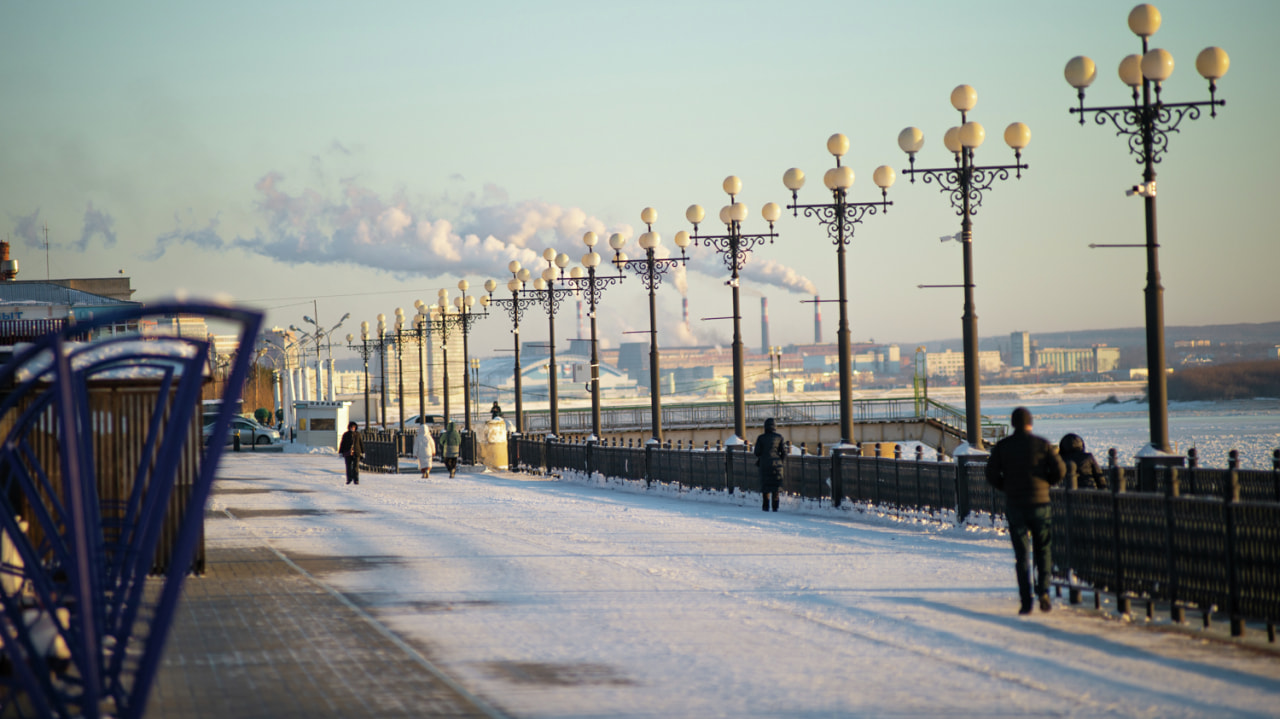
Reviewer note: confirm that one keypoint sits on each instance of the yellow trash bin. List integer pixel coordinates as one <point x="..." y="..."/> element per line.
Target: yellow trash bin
<point x="493" y="444"/>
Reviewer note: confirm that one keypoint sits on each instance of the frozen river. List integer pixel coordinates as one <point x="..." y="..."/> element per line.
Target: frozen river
<point x="563" y="599"/>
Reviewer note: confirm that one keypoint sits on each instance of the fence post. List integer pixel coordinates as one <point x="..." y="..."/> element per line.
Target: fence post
<point x="1275" y="472"/>
<point x="1117" y="488"/>
<point x="1069" y="500"/>
<point x="837" y="473"/>
<point x="648" y="462"/>
<point x="1171" y="493"/>
<point x="591" y="456"/>
<point x="1232" y="498"/>
<point x="962" y="489"/>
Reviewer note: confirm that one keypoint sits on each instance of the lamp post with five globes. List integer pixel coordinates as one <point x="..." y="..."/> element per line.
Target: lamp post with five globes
<point x="593" y="285"/>
<point x="365" y="351"/>
<point x="964" y="183"/>
<point x="1147" y="123"/>
<point x="465" y="317"/>
<point x="651" y="269"/>
<point x="519" y="276"/>
<point x="839" y="217"/>
<point x="549" y="295"/>
<point x="734" y="246"/>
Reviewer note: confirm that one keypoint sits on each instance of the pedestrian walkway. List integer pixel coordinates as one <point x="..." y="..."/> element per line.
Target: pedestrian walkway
<point x="258" y="637"/>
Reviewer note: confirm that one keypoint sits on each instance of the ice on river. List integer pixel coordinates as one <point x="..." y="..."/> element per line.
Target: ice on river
<point x="557" y="598"/>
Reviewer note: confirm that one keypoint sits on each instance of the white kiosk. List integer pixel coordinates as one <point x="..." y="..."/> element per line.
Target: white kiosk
<point x="321" y="424"/>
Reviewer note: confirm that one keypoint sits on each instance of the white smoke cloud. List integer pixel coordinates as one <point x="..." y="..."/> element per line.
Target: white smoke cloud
<point x="475" y="234"/>
<point x="772" y="272"/>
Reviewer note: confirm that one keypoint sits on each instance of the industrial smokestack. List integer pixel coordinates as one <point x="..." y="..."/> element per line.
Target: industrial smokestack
<point x="764" y="325"/>
<point x="817" y="320"/>
<point x="581" y="333"/>
<point x="684" y="308"/>
<point x="8" y="267"/>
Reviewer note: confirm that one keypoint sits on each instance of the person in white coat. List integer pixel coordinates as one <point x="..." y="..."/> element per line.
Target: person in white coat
<point x="424" y="448"/>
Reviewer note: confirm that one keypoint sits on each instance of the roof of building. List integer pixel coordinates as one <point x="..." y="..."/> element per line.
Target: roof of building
<point x="45" y="293"/>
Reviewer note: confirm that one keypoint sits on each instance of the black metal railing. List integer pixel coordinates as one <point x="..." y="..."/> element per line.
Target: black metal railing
<point x="381" y="451"/>
<point x="1193" y="537"/>
<point x="694" y="416"/>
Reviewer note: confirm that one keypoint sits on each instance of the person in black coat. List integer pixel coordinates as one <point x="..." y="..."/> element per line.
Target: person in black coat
<point x="771" y="450"/>
<point x="351" y="447"/>
<point x="1024" y="466"/>
<point x="1080" y="463"/>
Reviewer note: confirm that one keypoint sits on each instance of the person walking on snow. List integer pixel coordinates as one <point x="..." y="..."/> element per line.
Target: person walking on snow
<point x="352" y="449"/>
<point x="770" y="451"/>
<point x="1024" y="466"/>
<point x="424" y="449"/>
<point x="451" y="443"/>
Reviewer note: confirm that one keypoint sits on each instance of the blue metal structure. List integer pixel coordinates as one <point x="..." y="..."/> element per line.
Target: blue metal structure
<point x="83" y="629"/>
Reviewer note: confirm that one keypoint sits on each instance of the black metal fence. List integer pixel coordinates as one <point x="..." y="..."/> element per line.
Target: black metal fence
<point x="383" y="448"/>
<point x="1191" y="537"/>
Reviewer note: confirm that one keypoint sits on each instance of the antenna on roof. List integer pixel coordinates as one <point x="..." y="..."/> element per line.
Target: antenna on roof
<point x="47" y="275"/>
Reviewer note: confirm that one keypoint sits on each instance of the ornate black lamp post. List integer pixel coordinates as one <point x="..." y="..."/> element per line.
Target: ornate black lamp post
<point x="382" y="366"/>
<point x="549" y="295"/>
<point x="964" y="183"/>
<point x="438" y="321"/>
<point x="466" y="316"/>
<point x="593" y="285"/>
<point x="734" y="247"/>
<point x="366" y="350"/>
<point x="839" y="217"/>
<point x="422" y="331"/>
<point x="397" y="337"/>
<point x="650" y="269"/>
<point x="1147" y="124"/>
<point x="514" y="306"/>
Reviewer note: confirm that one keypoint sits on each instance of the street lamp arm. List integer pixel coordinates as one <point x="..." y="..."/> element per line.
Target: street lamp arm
<point x="550" y="298"/>
<point x="957" y="182"/>
<point x="830" y="216"/>
<point x="661" y="267"/>
<point x="1134" y="121"/>
<point x="734" y="249"/>
<point x="515" y="306"/>
<point x="593" y="286"/>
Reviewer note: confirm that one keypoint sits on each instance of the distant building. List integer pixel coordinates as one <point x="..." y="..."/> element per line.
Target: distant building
<point x="951" y="364"/>
<point x="1083" y="360"/>
<point x="1019" y="349"/>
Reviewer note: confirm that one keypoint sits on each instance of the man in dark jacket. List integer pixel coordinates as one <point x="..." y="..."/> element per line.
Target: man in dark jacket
<point x="1081" y="464"/>
<point x="351" y="447"/>
<point x="770" y="451"/>
<point x="1023" y="466"/>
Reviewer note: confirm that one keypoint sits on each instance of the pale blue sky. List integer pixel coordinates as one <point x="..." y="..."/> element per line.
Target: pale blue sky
<point x="279" y="152"/>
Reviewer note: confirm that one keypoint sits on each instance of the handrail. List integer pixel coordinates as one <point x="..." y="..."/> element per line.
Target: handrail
<point x="695" y="415"/>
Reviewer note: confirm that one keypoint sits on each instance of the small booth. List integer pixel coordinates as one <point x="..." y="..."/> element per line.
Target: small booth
<point x="321" y="424"/>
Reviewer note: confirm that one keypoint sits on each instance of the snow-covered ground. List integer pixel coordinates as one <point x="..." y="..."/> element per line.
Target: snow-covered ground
<point x="555" y="598"/>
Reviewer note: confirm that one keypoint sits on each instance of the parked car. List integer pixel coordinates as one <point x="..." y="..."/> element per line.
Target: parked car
<point x="250" y="432"/>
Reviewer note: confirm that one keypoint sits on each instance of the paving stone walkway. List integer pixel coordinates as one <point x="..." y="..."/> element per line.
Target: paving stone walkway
<point x="256" y="637"/>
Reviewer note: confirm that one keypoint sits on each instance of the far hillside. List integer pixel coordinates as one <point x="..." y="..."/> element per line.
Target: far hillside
<point x="1240" y="380"/>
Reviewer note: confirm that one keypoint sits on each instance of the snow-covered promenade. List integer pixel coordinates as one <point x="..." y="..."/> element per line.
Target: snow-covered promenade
<point x="552" y="598"/>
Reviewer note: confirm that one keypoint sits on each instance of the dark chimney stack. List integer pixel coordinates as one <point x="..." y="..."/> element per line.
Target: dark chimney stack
<point x="817" y="320"/>
<point x="764" y="325"/>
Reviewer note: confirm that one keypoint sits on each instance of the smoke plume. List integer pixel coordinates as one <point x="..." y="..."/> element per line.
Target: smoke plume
<point x="96" y="223"/>
<point x="473" y="234"/>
